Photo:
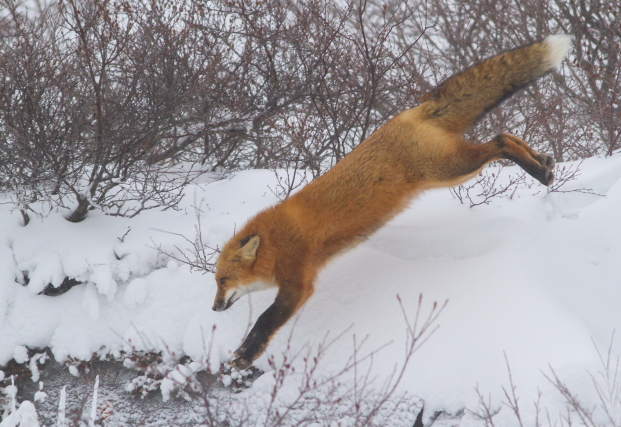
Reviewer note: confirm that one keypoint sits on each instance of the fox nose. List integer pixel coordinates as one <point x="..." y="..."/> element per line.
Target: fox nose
<point x="218" y="305"/>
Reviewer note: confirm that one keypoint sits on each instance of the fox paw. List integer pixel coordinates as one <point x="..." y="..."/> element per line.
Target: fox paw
<point x="542" y="169"/>
<point x="241" y="363"/>
<point x="242" y="359"/>
<point x="548" y="162"/>
<point x="539" y="166"/>
<point x="546" y="176"/>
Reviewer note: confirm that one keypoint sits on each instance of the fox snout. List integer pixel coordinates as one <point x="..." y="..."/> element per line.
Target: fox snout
<point x="221" y="305"/>
<point x="223" y="302"/>
<point x="218" y="305"/>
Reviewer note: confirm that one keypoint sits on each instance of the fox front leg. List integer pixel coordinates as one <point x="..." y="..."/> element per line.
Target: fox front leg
<point x="268" y="323"/>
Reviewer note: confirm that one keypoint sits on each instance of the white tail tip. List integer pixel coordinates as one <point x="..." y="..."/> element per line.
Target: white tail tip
<point x="559" y="45"/>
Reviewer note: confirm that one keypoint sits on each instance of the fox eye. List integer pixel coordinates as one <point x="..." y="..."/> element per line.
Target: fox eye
<point x="223" y="280"/>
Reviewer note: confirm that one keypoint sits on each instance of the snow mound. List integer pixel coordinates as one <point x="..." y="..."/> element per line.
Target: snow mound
<point x="532" y="280"/>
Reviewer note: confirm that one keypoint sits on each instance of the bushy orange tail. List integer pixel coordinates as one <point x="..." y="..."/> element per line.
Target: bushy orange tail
<point x="464" y="98"/>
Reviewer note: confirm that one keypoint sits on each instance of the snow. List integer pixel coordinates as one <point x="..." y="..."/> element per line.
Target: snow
<point x="20" y="354"/>
<point x="24" y="416"/>
<point x="61" y="407"/>
<point x="40" y="395"/>
<point x="34" y="370"/>
<point x="136" y="292"/>
<point x="532" y="282"/>
<point x="91" y="421"/>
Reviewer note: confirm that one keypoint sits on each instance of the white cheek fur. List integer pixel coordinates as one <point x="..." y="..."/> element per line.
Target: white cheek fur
<point x="234" y="294"/>
<point x="258" y="286"/>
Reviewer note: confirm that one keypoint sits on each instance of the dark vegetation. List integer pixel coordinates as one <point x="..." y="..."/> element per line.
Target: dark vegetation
<point x="117" y="105"/>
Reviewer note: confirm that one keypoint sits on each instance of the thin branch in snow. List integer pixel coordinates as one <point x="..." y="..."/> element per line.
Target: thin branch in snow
<point x="61" y="408"/>
<point x="93" y="417"/>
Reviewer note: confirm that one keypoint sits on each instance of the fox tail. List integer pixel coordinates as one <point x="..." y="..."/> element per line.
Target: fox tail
<point x="461" y="100"/>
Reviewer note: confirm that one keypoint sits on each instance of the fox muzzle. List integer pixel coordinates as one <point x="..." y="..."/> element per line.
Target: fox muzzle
<point x="221" y="304"/>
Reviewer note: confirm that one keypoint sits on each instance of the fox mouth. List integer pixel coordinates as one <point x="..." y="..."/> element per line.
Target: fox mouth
<point x="229" y="303"/>
<point x="220" y="306"/>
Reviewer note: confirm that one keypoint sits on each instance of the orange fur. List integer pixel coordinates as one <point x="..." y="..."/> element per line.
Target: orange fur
<point x="422" y="148"/>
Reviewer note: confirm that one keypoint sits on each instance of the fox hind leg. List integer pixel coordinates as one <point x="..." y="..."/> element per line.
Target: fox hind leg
<point x="539" y="166"/>
<point x="466" y="160"/>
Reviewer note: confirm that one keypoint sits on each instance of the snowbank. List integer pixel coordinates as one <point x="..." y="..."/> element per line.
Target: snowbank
<point x="535" y="281"/>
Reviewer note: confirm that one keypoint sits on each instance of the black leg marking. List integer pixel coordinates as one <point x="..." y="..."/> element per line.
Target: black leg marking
<point x="541" y="173"/>
<point x="268" y="323"/>
<point x="539" y="168"/>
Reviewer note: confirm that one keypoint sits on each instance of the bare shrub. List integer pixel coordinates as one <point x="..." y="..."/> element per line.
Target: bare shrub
<point x="116" y="106"/>
<point x="312" y="398"/>
<point x="289" y="180"/>
<point x="605" y="412"/>
<point x="486" y="188"/>
<point x="89" y="92"/>
<point x="607" y="387"/>
<point x="485" y="411"/>
<point x="567" y="173"/>
<point x="489" y="185"/>
<point x="197" y="255"/>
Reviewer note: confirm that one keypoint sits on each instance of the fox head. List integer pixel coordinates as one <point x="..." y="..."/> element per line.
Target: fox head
<point x="234" y="271"/>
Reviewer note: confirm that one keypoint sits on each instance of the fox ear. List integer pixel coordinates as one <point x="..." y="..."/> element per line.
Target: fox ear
<point x="248" y="252"/>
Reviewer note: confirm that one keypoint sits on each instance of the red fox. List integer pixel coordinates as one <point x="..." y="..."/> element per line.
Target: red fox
<point x="421" y="148"/>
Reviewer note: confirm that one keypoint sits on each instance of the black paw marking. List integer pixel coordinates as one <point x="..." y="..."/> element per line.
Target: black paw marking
<point x="549" y="178"/>
<point x="241" y="363"/>
<point x="546" y="176"/>
<point x="242" y="359"/>
<point x="549" y="162"/>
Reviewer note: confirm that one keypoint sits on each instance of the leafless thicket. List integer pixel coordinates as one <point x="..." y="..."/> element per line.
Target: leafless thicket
<point x="605" y="411"/>
<point x="113" y="105"/>
<point x="90" y="96"/>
